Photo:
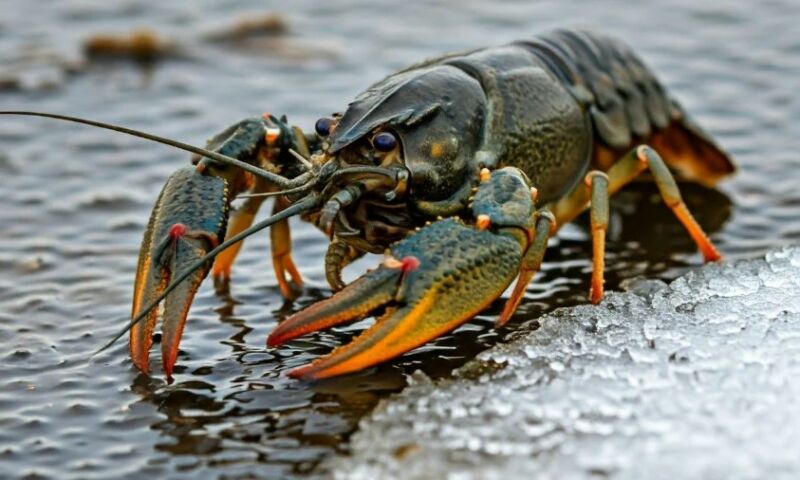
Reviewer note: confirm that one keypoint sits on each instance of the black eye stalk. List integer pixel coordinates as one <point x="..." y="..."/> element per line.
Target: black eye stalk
<point x="324" y="126"/>
<point x="384" y="142"/>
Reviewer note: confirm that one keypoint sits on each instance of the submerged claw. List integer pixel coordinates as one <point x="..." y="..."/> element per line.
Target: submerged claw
<point x="434" y="281"/>
<point x="187" y="222"/>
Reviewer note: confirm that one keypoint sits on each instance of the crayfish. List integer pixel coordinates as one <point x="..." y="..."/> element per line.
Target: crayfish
<point x="459" y="169"/>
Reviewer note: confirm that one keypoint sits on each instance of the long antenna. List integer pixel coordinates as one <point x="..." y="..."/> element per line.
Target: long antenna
<point x="277" y="193"/>
<point x="305" y="203"/>
<point x="269" y="176"/>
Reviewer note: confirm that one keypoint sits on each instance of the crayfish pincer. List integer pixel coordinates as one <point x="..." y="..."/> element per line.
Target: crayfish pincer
<point x="459" y="169"/>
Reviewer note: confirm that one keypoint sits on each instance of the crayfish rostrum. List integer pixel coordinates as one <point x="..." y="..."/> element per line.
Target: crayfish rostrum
<point x="459" y="168"/>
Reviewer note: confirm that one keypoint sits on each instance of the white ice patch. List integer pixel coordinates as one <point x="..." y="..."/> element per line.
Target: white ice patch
<point x="696" y="379"/>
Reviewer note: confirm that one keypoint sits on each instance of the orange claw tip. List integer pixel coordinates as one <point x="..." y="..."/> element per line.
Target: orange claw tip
<point x="278" y="337"/>
<point x="311" y="373"/>
<point x="141" y="361"/>
<point x="169" y="355"/>
<point x="141" y="339"/>
<point x="168" y="366"/>
<point x="168" y="361"/>
<point x="303" y="373"/>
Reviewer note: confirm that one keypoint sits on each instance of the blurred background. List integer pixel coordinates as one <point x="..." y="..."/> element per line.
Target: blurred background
<point x="76" y="200"/>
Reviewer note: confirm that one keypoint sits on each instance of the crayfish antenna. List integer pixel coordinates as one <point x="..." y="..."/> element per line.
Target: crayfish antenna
<point x="282" y="182"/>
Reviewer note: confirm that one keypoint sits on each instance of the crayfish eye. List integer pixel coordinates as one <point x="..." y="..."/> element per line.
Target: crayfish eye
<point x="384" y="142"/>
<point x="324" y="126"/>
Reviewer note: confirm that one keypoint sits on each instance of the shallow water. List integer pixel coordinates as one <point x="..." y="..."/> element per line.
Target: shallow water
<point x="76" y="201"/>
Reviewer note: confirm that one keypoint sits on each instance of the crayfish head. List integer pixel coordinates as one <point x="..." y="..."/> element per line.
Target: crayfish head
<point x="408" y="144"/>
<point x="363" y="185"/>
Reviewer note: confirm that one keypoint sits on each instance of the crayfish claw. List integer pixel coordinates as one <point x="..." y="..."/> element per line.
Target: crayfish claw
<point x="187" y="221"/>
<point x="434" y="281"/>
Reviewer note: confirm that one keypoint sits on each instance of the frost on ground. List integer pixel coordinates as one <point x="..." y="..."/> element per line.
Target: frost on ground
<point x="696" y="379"/>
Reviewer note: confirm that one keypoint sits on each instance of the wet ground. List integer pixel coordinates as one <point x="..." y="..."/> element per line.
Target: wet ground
<point x="75" y="202"/>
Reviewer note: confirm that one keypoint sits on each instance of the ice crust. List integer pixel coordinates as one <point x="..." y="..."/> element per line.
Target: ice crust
<point x="698" y="379"/>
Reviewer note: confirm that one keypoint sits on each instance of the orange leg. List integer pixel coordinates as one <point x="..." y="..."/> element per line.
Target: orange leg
<point x="597" y="182"/>
<point x="672" y="197"/>
<point x="620" y="174"/>
<point x="282" y="262"/>
<point x="239" y="221"/>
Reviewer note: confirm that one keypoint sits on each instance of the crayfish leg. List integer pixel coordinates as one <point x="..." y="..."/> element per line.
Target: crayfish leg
<point x="339" y="255"/>
<point x="620" y="174"/>
<point x="282" y="262"/>
<point x="239" y="221"/>
<point x="597" y="183"/>
<point x="643" y="158"/>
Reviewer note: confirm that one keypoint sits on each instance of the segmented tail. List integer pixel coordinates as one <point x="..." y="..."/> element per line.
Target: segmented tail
<point x="628" y="105"/>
